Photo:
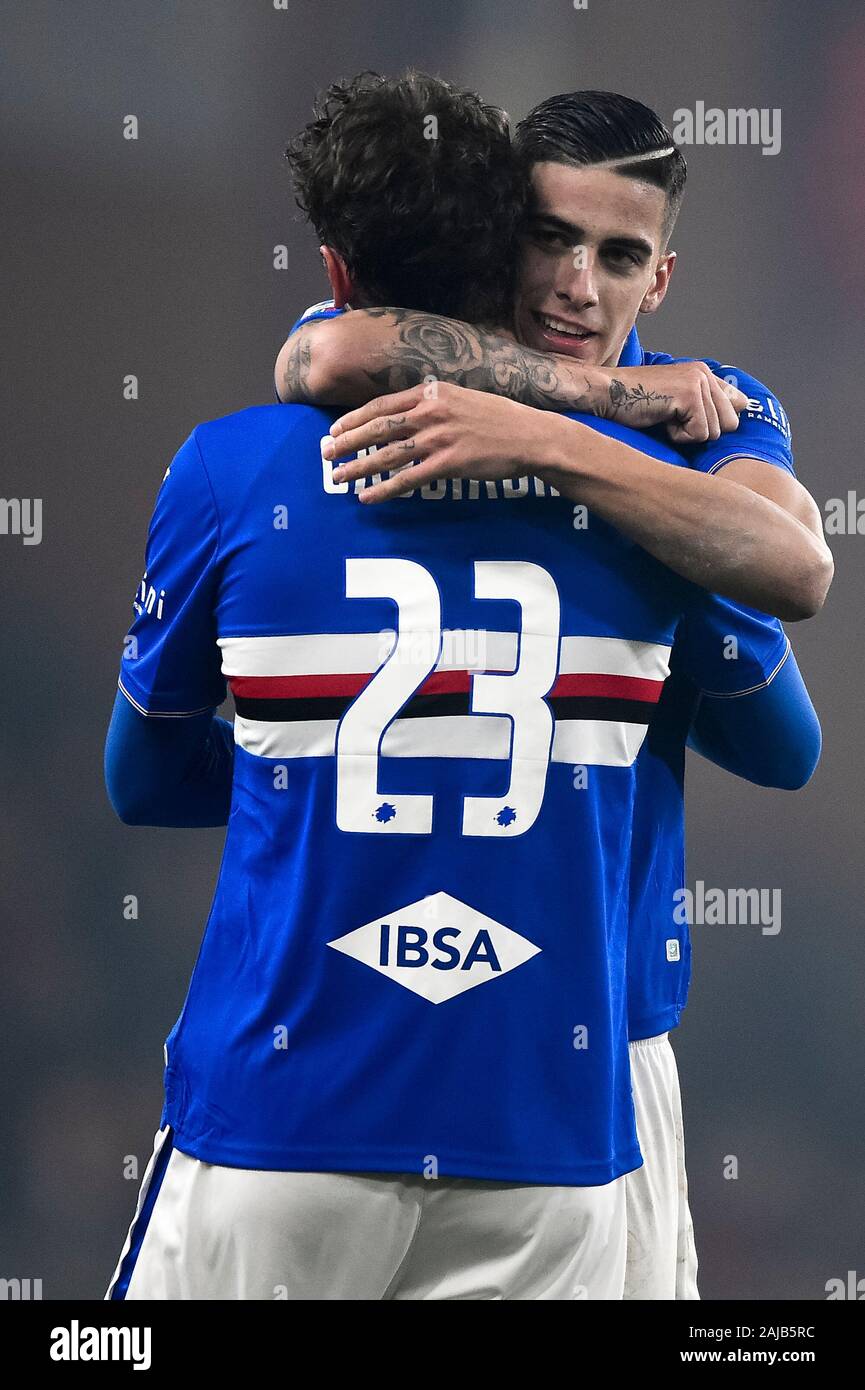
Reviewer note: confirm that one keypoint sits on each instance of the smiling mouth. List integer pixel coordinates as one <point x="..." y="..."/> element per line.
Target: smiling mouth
<point x="562" y="329"/>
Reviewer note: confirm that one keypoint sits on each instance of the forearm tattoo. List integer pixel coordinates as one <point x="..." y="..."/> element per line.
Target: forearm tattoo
<point x="448" y="350"/>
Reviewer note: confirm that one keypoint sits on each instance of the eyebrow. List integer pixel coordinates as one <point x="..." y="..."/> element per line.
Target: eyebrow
<point x="571" y="230"/>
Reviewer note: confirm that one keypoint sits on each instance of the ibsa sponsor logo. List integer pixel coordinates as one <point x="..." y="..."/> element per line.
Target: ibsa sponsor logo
<point x="437" y="947"/>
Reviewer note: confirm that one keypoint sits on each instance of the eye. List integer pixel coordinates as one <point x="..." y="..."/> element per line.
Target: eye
<point x="621" y="258"/>
<point x="546" y="236"/>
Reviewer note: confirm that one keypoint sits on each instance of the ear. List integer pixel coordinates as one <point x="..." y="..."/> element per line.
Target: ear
<point x="337" y="273"/>
<point x="654" y="296"/>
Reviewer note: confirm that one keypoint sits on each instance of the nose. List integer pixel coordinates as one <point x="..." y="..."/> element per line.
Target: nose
<point x="576" y="283"/>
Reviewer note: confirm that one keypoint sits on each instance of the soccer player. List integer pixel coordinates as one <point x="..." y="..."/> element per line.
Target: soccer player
<point x="399" y="1071"/>
<point x="608" y="182"/>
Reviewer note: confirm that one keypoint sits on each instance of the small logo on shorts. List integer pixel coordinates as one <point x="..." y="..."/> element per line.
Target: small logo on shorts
<point x="673" y="950"/>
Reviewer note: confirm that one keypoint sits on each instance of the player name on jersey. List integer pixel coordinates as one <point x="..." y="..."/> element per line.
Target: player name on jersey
<point x="454" y="489"/>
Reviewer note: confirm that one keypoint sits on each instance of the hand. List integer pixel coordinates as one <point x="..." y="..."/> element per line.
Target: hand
<point x="687" y="397"/>
<point x="436" y="431"/>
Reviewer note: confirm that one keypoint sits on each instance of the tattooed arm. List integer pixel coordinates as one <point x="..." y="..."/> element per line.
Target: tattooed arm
<point x="727" y="536"/>
<point x="294" y="368"/>
<point x="364" y="353"/>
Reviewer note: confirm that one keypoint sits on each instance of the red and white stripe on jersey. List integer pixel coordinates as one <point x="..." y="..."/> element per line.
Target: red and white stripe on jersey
<point x="290" y="693"/>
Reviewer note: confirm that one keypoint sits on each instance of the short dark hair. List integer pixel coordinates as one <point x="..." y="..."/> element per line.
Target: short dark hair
<point x="595" y="127"/>
<point x="417" y="186"/>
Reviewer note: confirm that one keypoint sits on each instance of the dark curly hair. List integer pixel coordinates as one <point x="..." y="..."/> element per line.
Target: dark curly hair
<point x="417" y="187"/>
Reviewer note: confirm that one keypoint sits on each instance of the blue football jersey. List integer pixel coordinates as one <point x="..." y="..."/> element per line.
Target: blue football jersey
<point x="659" y="953"/>
<point x="415" y="956"/>
<point x="722" y="649"/>
<point x="705" y="659"/>
<point x="764" y="427"/>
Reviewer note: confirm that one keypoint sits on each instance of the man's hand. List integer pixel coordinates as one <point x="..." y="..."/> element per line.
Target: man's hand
<point x="436" y="431"/>
<point x="687" y="397"/>
<point x="445" y="431"/>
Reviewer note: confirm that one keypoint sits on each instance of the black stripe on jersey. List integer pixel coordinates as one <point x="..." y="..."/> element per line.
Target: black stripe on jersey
<point x="334" y="706"/>
<point x="604" y="707"/>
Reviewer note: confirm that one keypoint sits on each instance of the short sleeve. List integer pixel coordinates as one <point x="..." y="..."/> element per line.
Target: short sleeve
<point x="764" y="428"/>
<point x="171" y="662"/>
<point x="727" y="649"/>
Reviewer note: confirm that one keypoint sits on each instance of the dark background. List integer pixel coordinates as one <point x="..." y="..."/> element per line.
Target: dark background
<point x="155" y="257"/>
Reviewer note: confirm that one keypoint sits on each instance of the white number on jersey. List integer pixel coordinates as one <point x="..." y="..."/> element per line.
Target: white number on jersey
<point x="518" y="696"/>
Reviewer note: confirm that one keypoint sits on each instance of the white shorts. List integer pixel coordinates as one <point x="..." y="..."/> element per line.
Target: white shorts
<point x="662" y="1260"/>
<point x="203" y="1231"/>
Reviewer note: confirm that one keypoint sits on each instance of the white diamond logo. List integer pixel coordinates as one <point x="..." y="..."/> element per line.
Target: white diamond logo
<point x="437" y="947"/>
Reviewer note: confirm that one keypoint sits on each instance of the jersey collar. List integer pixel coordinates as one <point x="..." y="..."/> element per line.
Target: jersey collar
<point x="632" y="352"/>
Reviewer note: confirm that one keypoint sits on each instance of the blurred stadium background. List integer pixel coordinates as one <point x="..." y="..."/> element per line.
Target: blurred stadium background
<point x="155" y="257"/>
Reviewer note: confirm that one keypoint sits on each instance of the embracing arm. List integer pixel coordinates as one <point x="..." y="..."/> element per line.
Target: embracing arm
<point x="754" y="534"/>
<point x="743" y="532"/>
<point x="750" y="533"/>
<point x="362" y="353"/>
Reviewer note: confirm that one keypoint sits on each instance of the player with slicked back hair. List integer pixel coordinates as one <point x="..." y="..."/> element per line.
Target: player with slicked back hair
<point x="604" y="128"/>
<point x="607" y="183"/>
<point x="401" y="1069"/>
